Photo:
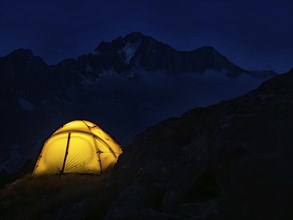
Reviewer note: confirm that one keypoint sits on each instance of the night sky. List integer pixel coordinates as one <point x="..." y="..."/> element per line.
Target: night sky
<point x="255" y="35"/>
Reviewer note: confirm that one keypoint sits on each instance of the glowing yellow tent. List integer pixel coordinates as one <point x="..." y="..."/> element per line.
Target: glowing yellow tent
<point x="78" y="147"/>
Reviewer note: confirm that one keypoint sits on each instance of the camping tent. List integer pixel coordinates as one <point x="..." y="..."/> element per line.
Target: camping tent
<point x="78" y="147"/>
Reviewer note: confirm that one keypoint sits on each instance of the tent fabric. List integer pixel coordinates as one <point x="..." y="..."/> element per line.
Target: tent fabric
<point x="78" y="147"/>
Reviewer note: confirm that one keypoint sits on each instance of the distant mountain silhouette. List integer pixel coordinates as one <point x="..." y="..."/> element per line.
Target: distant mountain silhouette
<point x="125" y="53"/>
<point x="120" y="56"/>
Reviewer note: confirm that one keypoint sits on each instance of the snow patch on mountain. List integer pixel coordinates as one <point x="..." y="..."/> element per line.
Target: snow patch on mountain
<point x="109" y="72"/>
<point x="25" y="104"/>
<point x="129" y="50"/>
<point x="226" y="121"/>
<point x="89" y="68"/>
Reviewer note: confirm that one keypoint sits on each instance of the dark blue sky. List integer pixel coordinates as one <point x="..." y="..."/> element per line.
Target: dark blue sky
<point x="253" y="34"/>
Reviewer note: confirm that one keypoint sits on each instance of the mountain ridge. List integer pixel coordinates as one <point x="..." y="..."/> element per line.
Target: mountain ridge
<point x="154" y="55"/>
<point x="135" y="49"/>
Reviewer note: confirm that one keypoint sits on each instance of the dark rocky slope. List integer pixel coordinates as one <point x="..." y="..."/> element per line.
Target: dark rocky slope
<point x="227" y="161"/>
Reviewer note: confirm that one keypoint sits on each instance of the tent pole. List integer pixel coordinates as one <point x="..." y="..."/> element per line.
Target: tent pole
<point x="66" y="153"/>
<point x="99" y="156"/>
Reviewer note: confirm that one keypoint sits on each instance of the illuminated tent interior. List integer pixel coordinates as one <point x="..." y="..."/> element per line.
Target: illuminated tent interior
<point x="78" y="147"/>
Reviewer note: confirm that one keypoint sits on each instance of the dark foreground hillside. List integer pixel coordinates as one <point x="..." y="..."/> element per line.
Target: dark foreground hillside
<point x="232" y="160"/>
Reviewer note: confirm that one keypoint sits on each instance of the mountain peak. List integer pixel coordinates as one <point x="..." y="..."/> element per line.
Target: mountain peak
<point x="207" y="51"/>
<point x="135" y="36"/>
<point x="206" y="48"/>
<point x="126" y="52"/>
<point x="24" y="57"/>
<point x="22" y="52"/>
